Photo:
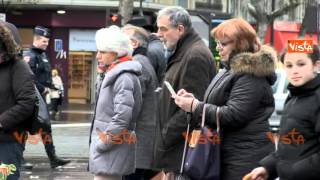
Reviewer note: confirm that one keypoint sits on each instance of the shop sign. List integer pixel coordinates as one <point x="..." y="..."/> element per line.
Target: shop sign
<point x="82" y="40"/>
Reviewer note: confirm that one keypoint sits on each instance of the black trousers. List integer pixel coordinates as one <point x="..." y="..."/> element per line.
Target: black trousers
<point x="55" y="102"/>
<point x="46" y="135"/>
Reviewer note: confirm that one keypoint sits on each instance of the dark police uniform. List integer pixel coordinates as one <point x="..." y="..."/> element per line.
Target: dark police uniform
<point x="40" y="65"/>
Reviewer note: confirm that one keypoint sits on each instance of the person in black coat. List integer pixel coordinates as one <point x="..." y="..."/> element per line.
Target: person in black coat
<point x="298" y="154"/>
<point x="17" y="101"/>
<point x="38" y="60"/>
<point x="41" y="67"/>
<point x="242" y="92"/>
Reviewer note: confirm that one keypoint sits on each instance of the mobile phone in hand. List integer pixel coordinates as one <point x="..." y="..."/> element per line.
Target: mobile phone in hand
<point x="171" y="90"/>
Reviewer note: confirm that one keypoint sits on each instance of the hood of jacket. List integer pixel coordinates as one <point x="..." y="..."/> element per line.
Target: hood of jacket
<point x="125" y="67"/>
<point x="260" y="64"/>
<point x="11" y="47"/>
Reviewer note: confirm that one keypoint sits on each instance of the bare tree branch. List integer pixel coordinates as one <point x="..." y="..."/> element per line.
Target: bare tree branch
<point x="258" y="11"/>
<point x="289" y="6"/>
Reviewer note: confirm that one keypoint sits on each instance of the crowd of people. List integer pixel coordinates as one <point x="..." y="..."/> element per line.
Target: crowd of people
<point x="138" y="124"/>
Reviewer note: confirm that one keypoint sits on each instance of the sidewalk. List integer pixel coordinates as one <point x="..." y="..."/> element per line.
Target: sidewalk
<point x="71" y="139"/>
<point x="76" y="170"/>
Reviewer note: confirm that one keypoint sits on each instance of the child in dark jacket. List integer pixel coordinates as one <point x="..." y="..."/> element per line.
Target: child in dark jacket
<point x="298" y="154"/>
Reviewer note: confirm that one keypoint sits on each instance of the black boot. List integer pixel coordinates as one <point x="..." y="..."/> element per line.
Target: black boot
<point x="53" y="115"/>
<point x="55" y="161"/>
<point x="26" y="165"/>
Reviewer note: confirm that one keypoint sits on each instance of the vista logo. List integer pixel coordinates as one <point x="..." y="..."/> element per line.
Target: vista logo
<point x="300" y="46"/>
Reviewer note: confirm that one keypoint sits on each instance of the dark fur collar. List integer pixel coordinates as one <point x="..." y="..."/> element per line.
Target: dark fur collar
<point x="261" y="63"/>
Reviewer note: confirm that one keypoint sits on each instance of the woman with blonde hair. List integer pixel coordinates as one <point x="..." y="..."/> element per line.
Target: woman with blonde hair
<point x="56" y="93"/>
<point x="240" y="95"/>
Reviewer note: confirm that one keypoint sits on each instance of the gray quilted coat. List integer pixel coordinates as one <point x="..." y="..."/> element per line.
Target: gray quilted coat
<point x="118" y="105"/>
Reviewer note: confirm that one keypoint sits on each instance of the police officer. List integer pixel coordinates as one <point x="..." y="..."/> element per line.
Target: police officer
<point x="40" y="65"/>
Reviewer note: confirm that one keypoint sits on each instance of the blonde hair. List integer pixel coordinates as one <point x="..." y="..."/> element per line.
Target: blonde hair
<point x="55" y="72"/>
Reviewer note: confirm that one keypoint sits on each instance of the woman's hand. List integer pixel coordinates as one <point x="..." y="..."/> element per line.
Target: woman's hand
<point x="185" y="100"/>
<point x="259" y="173"/>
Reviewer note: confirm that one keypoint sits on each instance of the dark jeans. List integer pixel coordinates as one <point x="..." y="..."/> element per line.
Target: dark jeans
<point x="11" y="154"/>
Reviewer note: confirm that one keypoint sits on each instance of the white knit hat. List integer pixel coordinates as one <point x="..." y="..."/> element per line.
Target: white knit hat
<point x="114" y="40"/>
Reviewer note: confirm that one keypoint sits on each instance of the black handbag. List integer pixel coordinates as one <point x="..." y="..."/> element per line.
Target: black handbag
<point x="40" y="115"/>
<point x="202" y="160"/>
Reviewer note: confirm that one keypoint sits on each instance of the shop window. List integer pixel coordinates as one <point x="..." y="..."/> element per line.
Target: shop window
<point x="80" y="64"/>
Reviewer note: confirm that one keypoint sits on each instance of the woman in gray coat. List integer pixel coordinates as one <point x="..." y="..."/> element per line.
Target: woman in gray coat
<point x="112" y="138"/>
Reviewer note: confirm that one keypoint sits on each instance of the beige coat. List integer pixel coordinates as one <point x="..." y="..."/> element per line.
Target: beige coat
<point x="57" y="83"/>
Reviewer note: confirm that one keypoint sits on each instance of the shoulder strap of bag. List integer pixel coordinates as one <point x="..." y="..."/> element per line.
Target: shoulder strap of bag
<point x="189" y="116"/>
<point x="217" y="117"/>
<point x="203" y="119"/>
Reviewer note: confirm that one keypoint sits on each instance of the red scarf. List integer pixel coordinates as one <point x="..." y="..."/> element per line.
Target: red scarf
<point x="118" y="61"/>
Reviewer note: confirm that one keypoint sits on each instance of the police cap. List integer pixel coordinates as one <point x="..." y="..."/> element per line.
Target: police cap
<point x="42" y="31"/>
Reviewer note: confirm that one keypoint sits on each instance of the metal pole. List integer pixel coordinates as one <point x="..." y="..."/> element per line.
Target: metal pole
<point x="318" y="21"/>
<point x="107" y="17"/>
<point x="272" y="22"/>
<point x="141" y="10"/>
<point x="228" y="6"/>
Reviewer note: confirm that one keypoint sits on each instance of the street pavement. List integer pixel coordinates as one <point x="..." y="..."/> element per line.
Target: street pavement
<point x="71" y="139"/>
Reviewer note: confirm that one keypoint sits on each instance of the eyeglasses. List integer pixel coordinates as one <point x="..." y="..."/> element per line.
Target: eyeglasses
<point x="223" y="44"/>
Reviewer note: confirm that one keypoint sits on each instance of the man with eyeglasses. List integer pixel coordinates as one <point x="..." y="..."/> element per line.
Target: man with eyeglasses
<point x="189" y="67"/>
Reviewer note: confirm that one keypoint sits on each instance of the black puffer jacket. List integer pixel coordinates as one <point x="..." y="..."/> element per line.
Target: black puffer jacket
<point x="245" y="98"/>
<point x="298" y="155"/>
<point x="17" y="91"/>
